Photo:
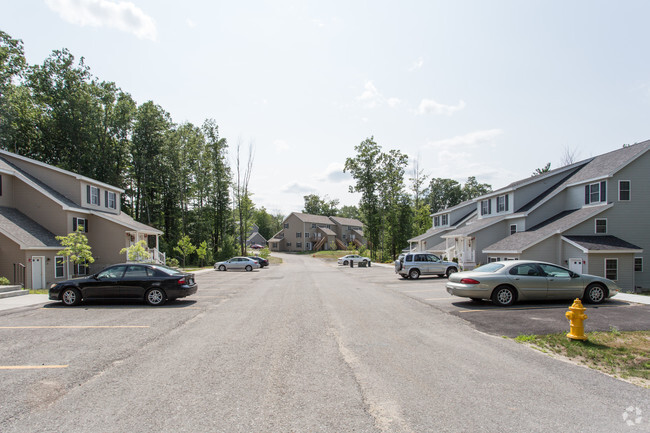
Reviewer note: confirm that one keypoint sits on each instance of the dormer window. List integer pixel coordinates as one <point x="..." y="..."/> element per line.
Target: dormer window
<point x="486" y="207"/>
<point x="596" y="192"/>
<point x="110" y="199"/>
<point x="436" y="221"/>
<point x="502" y="203"/>
<point x="444" y="219"/>
<point x="92" y="195"/>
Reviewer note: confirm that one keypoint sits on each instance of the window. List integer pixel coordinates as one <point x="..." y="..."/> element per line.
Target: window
<point x="298" y="244"/>
<point x="288" y="244"/>
<point x="81" y="268"/>
<point x="299" y="234"/>
<point x="638" y="264"/>
<point x="494" y="259"/>
<point x="306" y="235"/>
<point x="624" y="190"/>
<point x="445" y="219"/>
<point x="554" y="271"/>
<point x="436" y="221"/>
<point x="486" y="207"/>
<point x="601" y="225"/>
<point x="596" y="192"/>
<point x="92" y="195"/>
<point x="286" y="225"/>
<point x="59" y="267"/>
<point x="502" y="203"/>
<point x="313" y="226"/>
<point x="110" y="199"/>
<point x="80" y="224"/>
<point x="527" y="270"/>
<point x="611" y="269"/>
<point x="135" y="272"/>
<point x="513" y="229"/>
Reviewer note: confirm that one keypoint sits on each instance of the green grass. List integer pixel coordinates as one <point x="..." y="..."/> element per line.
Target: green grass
<point x="620" y="354"/>
<point x="38" y="292"/>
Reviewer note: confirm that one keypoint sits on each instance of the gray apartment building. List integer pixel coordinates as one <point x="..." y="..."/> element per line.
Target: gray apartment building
<point x="305" y="232"/>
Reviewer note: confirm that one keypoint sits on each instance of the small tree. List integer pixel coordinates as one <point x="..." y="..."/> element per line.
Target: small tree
<point x="202" y="252"/>
<point x="185" y="247"/>
<point x="137" y="252"/>
<point x="76" y="248"/>
<point x="265" y="253"/>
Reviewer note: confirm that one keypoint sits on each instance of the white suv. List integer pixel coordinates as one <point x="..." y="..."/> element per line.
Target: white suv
<point x="412" y="265"/>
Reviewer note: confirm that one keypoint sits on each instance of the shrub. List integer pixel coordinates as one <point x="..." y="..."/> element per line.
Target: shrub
<point x="172" y="262"/>
<point x="4" y="281"/>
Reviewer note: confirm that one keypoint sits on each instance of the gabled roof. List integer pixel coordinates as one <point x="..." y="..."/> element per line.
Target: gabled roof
<point x="128" y="222"/>
<point x="455" y="207"/>
<point x="309" y="218"/>
<point x="602" y="244"/>
<point x="347" y="221"/>
<point x="518" y="242"/>
<point x="429" y="233"/>
<point x="26" y="232"/>
<point x="474" y="225"/>
<point x="328" y="232"/>
<point x="610" y="163"/>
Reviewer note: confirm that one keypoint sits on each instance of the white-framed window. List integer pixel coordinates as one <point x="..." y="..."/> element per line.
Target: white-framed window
<point x="299" y="234"/>
<point x="80" y="224"/>
<point x="436" y="221"/>
<point x="601" y="226"/>
<point x="486" y="207"/>
<point x="110" y="199"/>
<point x="638" y="264"/>
<point x="286" y="225"/>
<point x="513" y="229"/>
<point x="502" y="203"/>
<point x="92" y="195"/>
<point x="298" y="244"/>
<point x="611" y="269"/>
<point x="624" y="190"/>
<point x="306" y="235"/>
<point x="81" y="268"/>
<point x="59" y="267"/>
<point x="444" y="219"/>
<point x="596" y="192"/>
<point x="344" y="236"/>
<point x="494" y="259"/>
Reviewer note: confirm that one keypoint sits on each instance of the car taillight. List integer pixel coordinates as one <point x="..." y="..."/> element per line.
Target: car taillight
<point x="469" y="281"/>
<point x="181" y="281"/>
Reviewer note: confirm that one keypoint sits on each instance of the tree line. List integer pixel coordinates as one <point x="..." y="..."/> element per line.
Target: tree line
<point x="176" y="177"/>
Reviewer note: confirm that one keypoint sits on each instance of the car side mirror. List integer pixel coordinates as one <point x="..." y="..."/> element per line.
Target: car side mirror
<point x="573" y="274"/>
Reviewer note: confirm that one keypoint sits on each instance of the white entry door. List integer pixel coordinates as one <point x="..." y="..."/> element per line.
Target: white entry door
<point x="38" y="272"/>
<point x="575" y="265"/>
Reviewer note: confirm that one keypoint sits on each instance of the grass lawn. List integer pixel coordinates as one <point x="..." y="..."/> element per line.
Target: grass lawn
<point x="38" y="292"/>
<point x="625" y="355"/>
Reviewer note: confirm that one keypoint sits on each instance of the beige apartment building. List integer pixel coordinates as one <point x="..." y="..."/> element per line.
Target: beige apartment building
<point x="306" y="232"/>
<point x="39" y="202"/>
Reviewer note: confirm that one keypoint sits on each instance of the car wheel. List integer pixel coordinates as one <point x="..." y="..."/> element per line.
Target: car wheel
<point x="414" y="274"/>
<point x="450" y="271"/>
<point x="222" y="267"/>
<point x="249" y="268"/>
<point x="365" y="262"/>
<point x="504" y="296"/>
<point x="406" y="277"/>
<point x="71" y="297"/>
<point x="155" y="297"/>
<point x="595" y="294"/>
<point x="345" y="263"/>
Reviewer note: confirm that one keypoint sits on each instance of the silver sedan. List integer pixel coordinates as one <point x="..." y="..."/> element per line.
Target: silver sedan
<point x="517" y="280"/>
<point x="345" y="260"/>
<point x="237" y="263"/>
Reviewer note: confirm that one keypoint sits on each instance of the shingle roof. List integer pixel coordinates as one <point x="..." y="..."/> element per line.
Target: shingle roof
<point x="429" y="233"/>
<point x="474" y="225"/>
<point x="328" y="232"/>
<point x="520" y="241"/>
<point x="24" y="230"/>
<point x="128" y="222"/>
<point x="609" y="163"/>
<point x="309" y="218"/>
<point x="602" y="243"/>
<point x="347" y="221"/>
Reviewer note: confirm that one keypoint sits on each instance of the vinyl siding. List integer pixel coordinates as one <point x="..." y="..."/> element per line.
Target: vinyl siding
<point x="545" y="251"/>
<point x="40" y="208"/>
<point x="486" y="237"/>
<point x="7" y="197"/>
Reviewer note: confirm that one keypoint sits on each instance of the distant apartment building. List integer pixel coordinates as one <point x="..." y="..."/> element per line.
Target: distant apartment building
<point x="306" y="232"/>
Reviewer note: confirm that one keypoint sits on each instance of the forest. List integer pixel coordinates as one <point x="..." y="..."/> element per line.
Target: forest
<point x="180" y="178"/>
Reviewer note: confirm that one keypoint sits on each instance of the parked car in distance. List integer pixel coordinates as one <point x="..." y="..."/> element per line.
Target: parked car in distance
<point x="262" y="261"/>
<point x="244" y="263"/>
<point x="257" y="246"/>
<point x="412" y="265"/>
<point x="510" y="281"/>
<point x="155" y="284"/>
<point x="355" y="258"/>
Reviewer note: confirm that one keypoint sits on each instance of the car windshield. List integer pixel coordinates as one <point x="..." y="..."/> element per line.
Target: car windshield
<point x="167" y="270"/>
<point x="490" y="267"/>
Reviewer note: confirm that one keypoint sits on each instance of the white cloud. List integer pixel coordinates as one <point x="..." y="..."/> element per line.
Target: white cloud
<point x="429" y="106"/>
<point x="298" y="188"/>
<point x="470" y="140"/>
<point x="372" y="98"/>
<point x="121" y="15"/>
<point x="281" y="145"/>
<point x="417" y="64"/>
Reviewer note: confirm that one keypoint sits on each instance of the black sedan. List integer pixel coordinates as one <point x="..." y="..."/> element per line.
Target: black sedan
<point x="262" y="262"/>
<point x="155" y="284"/>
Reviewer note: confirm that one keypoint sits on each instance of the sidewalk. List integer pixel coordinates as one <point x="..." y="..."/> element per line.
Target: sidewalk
<point x="22" y="301"/>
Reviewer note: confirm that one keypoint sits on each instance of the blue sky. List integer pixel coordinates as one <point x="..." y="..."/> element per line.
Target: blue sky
<point x="492" y="89"/>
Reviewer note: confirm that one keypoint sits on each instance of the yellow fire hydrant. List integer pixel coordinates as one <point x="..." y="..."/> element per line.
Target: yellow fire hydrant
<point x="576" y="316"/>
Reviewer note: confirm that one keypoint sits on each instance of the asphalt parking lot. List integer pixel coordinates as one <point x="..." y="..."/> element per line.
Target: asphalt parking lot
<point x="539" y="317"/>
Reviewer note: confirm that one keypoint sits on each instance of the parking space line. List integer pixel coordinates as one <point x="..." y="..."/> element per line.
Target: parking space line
<point x="525" y="308"/>
<point x="30" y="367"/>
<point x="419" y="291"/>
<point x="74" y="327"/>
